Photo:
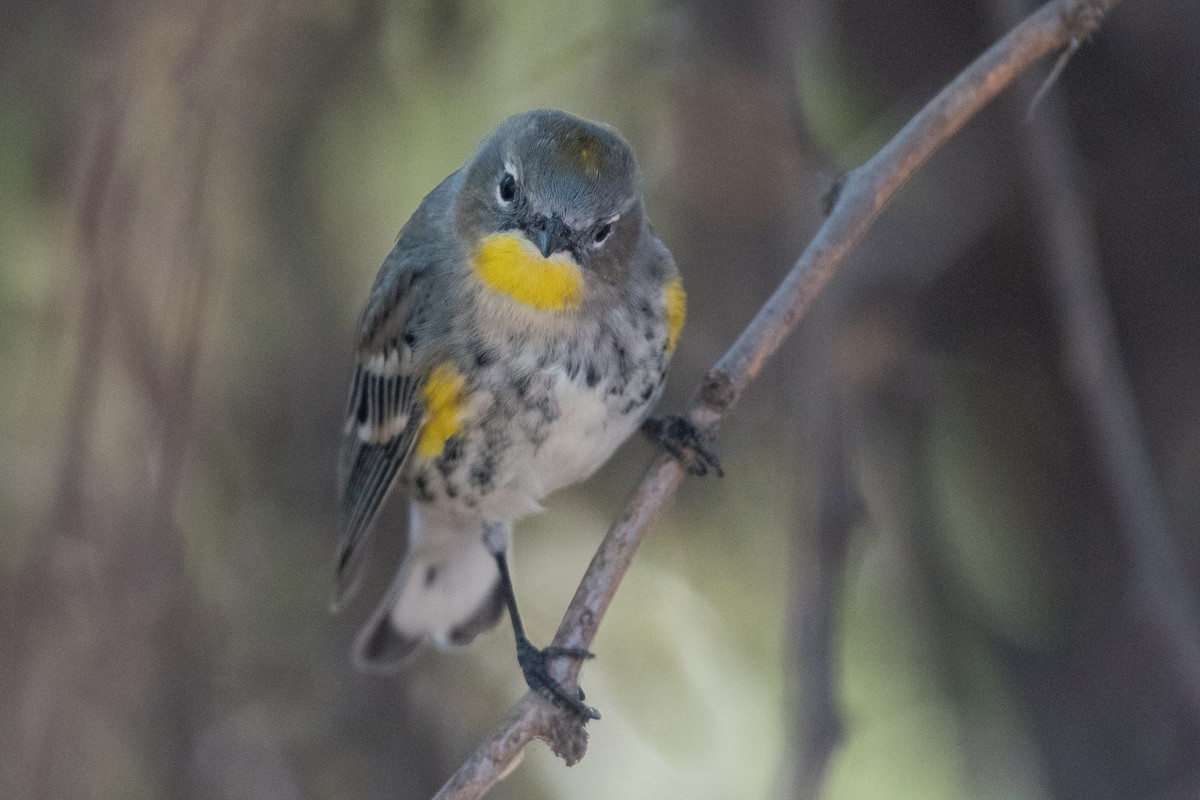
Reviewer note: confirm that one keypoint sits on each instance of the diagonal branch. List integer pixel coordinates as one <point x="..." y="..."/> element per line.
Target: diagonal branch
<point x="865" y="193"/>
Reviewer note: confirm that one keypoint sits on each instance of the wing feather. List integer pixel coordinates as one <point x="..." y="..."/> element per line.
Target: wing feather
<point x="383" y="415"/>
<point x="382" y="418"/>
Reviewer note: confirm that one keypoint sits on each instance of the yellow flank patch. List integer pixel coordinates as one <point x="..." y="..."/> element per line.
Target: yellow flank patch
<point x="445" y="392"/>
<point x="511" y="265"/>
<point x="676" y="300"/>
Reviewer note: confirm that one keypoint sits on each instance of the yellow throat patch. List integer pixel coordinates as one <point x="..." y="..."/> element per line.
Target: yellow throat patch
<point x="444" y="392"/>
<point x="676" y="301"/>
<point x="509" y="264"/>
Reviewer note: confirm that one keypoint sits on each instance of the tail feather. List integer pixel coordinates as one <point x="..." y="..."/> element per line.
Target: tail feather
<point x="484" y="619"/>
<point x="382" y="649"/>
<point x="447" y="590"/>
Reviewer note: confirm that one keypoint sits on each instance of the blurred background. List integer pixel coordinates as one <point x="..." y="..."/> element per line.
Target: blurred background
<point x="957" y="547"/>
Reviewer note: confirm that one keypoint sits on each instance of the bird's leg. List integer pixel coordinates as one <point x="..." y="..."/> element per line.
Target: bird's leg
<point x="533" y="660"/>
<point x="679" y="437"/>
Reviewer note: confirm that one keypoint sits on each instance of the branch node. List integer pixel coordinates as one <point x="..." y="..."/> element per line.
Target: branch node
<point x="566" y="735"/>
<point x="830" y="197"/>
<point x="1081" y="18"/>
<point x="588" y="624"/>
<point x="718" y="392"/>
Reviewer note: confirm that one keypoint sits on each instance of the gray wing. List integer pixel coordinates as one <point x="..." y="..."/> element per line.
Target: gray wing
<point x="382" y="414"/>
<point x="384" y="411"/>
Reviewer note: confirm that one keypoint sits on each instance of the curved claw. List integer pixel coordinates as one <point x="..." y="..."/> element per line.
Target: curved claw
<point x="567" y="652"/>
<point x="533" y="665"/>
<point x="685" y="442"/>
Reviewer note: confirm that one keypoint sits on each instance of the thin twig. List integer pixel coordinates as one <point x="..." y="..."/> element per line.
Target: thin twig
<point x="1059" y="65"/>
<point x="865" y="194"/>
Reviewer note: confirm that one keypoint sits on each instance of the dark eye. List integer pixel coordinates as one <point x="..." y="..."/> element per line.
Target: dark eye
<point x="602" y="233"/>
<point x="507" y="189"/>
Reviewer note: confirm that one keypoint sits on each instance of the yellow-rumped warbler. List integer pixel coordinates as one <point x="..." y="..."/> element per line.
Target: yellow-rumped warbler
<point x="518" y="332"/>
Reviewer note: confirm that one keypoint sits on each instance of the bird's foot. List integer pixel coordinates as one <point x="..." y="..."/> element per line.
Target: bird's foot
<point x="679" y="437"/>
<point x="533" y="664"/>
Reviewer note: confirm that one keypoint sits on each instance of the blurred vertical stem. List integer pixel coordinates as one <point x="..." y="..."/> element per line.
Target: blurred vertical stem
<point x="103" y="599"/>
<point x="818" y="562"/>
<point x="1092" y="362"/>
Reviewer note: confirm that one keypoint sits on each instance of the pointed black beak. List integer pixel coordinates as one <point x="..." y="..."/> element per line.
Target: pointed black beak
<point x="551" y="235"/>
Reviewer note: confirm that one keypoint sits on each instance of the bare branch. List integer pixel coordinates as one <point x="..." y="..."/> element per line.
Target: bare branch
<point x="866" y="192"/>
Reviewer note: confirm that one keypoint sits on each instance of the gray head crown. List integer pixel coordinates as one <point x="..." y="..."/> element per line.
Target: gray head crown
<point x="567" y="183"/>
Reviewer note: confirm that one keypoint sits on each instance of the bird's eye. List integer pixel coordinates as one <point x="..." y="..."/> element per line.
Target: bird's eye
<point x="507" y="189"/>
<point x="602" y="233"/>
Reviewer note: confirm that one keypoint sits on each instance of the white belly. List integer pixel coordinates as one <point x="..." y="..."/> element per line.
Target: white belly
<point x="587" y="433"/>
<point x="583" y="437"/>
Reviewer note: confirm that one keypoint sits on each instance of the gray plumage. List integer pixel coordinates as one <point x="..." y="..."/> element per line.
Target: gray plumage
<point x="539" y="397"/>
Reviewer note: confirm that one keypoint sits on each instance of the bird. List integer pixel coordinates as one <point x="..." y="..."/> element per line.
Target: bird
<point x="517" y="333"/>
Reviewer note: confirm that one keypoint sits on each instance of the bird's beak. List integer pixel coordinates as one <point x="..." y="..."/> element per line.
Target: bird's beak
<point x="551" y="235"/>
